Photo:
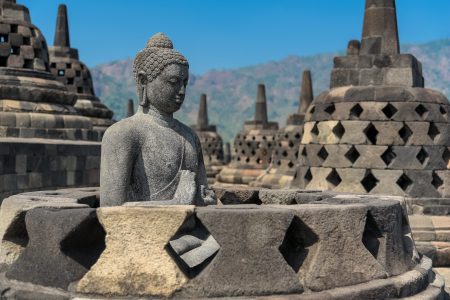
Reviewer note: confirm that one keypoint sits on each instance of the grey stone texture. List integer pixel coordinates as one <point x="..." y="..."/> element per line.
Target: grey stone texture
<point x="285" y="153"/>
<point x="257" y="251"/>
<point x="378" y="130"/>
<point x="13" y="232"/>
<point x="30" y="165"/>
<point x="29" y="90"/>
<point x="41" y="132"/>
<point x="253" y="146"/>
<point x="151" y="156"/>
<point x="70" y="71"/>
<point x="210" y="140"/>
<point x="62" y="246"/>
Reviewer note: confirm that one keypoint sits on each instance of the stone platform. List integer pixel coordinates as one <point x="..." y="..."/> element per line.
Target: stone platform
<point x="37" y="164"/>
<point x="59" y="245"/>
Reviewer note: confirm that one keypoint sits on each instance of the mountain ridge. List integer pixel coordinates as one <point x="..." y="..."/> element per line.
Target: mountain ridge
<point x="232" y="92"/>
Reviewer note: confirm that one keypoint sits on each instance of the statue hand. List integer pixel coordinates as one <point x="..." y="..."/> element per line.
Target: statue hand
<point x="186" y="188"/>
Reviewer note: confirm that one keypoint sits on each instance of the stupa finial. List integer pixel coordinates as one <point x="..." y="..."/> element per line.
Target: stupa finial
<point x="62" y="38"/>
<point x="202" y="120"/>
<point x="306" y="94"/>
<point x="380" y="31"/>
<point x="261" y="105"/>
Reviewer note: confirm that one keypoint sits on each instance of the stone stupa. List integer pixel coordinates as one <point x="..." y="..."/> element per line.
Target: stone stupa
<point x="380" y="131"/>
<point x="45" y="142"/>
<point x="211" y="141"/>
<point x="130" y="108"/>
<point x="285" y="152"/>
<point x="69" y="70"/>
<point x="253" y="146"/>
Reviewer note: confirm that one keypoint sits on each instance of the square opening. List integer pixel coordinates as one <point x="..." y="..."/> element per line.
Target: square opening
<point x="3" y="38"/>
<point x="14" y="28"/>
<point x="80" y="90"/>
<point x="69" y="80"/>
<point x="28" y="64"/>
<point x="26" y="41"/>
<point x="61" y="72"/>
<point x="15" y="50"/>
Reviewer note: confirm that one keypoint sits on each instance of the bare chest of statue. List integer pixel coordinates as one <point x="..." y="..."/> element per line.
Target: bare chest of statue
<point x="163" y="151"/>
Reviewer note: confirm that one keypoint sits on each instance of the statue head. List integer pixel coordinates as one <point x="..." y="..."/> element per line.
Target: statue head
<point x="161" y="75"/>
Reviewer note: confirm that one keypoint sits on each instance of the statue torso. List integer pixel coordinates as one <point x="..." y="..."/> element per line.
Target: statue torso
<point x="161" y="150"/>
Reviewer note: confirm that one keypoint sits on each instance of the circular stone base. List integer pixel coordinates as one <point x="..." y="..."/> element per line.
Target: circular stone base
<point x="332" y="246"/>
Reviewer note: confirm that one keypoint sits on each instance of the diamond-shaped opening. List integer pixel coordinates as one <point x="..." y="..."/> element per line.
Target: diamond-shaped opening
<point x="290" y="164"/>
<point x="421" y="110"/>
<point x="369" y="181"/>
<point x="372" y="236"/>
<point x="433" y="131"/>
<point x="285" y="154"/>
<point x="388" y="156"/>
<point x="422" y="156"/>
<point x="86" y="243"/>
<point x="313" y="108"/>
<point x="323" y="153"/>
<point x="17" y="232"/>
<point x="304" y="152"/>
<point x="330" y="109"/>
<point x="298" y="136"/>
<point x="371" y="133"/>
<point x="296" y="243"/>
<point x="356" y="111"/>
<point x="192" y="247"/>
<point x="352" y="155"/>
<point x="405" y="133"/>
<point x="446" y="156"/>
<point x="404" y="182"/>
<point x="308" y="176"/>
<point x="315" y="130"/>
<point x="437" y="181"/>
<point x="389" y="110"/>
<point x="334" y="178"/>
<point x="339" y="130"/>
<point x="442" y="110"/>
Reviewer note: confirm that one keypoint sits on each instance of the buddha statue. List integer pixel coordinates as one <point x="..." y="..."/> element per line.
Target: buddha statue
<point x="152" y="158"/>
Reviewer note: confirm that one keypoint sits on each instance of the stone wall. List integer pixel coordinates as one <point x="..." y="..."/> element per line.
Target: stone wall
<point x="36" y="164"/>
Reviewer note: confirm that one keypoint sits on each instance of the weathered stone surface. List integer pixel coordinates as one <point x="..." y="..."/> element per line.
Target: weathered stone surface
<point x="285" y="152"/>
<point x="63" y="245"/>
<point x="135" y="261"/>
<point x="253" y="146"/>
<point x="151" y="156"/>
<point x="210" y="140"/>
<point x="237" y="195"/>
<point x="249" y="241"/>
<point x="382" y="133"/>
<point x="70" y="71"/>
<point x="13" y="232"/>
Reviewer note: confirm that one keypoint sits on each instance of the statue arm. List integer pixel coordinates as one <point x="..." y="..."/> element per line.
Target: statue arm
<point x="118" y="152"/>
<point x="204" y="196"/>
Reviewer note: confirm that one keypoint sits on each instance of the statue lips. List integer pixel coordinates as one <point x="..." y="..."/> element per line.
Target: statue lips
<point x="179" y="100"/>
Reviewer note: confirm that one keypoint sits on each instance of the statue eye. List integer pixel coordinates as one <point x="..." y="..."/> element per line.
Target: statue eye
<point x="173" y="80"/>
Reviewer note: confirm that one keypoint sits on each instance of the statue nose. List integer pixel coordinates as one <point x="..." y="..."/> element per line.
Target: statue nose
<point x="182" y="90"/>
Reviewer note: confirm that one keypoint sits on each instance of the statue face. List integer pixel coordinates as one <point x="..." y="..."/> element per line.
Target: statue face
<point x="167" y="91"/>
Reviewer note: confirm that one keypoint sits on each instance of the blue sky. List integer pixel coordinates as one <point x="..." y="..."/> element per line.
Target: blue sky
<point x="222" y="34"/>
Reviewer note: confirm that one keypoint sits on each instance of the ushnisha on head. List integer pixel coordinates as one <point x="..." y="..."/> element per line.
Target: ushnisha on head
<point x="161" y="75"/>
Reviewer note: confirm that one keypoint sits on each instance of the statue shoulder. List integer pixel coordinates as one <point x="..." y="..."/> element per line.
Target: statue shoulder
<point x="188" y="131"/>
<point x="123" y="131"/>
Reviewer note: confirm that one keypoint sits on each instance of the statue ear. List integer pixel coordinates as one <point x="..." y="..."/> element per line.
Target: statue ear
<point x="142" y="84"/>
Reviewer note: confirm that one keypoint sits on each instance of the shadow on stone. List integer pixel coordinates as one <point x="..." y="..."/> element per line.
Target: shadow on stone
<point x="63" y="245"/>
<point x="85" y="243"/>
<point x="299" y="237"/>
<point x="372" y="235"/>
<point x="192" y="247"/>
